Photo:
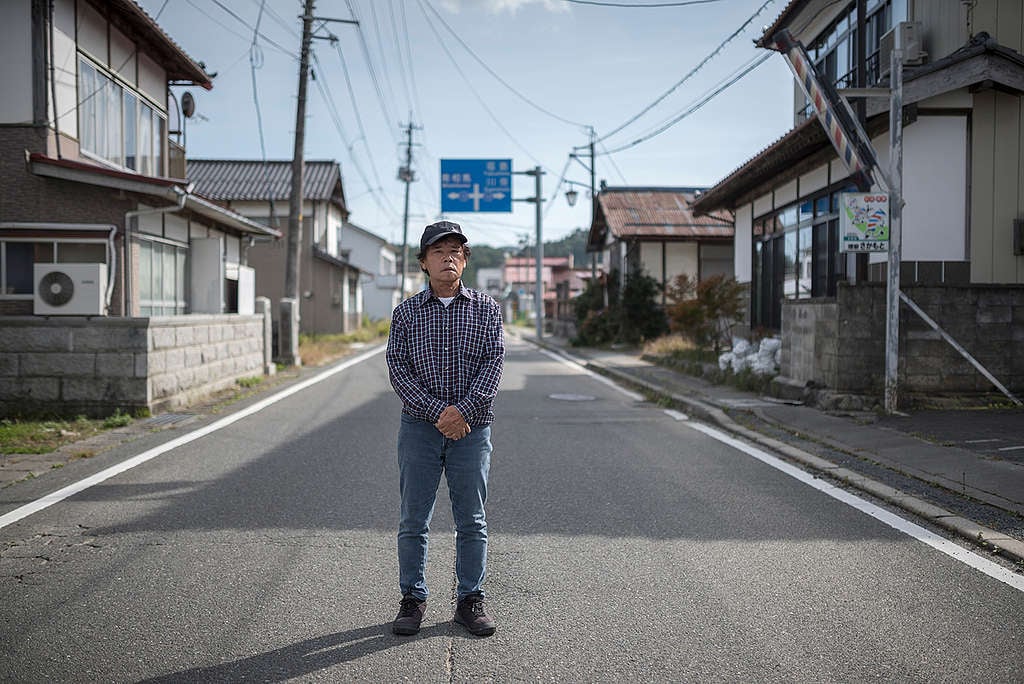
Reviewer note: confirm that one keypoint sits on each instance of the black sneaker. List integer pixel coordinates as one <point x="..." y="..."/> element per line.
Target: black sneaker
<point x="410" y="615"/>
<point x="470" y="614"/>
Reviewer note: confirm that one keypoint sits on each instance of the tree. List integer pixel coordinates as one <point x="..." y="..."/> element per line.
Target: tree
<point x="704" y="311"/>
<point x="631" y="316"/>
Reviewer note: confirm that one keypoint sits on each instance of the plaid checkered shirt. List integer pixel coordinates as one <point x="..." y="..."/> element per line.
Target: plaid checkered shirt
<point x="442" y="356"/>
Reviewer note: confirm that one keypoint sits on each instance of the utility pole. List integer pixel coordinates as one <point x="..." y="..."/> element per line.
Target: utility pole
<point x="290" y="310"/>
<point x="407" y="176"/>
<point x="537" y="199"/>
<point x="892" y="292"/>
<point x="593" y="194"/>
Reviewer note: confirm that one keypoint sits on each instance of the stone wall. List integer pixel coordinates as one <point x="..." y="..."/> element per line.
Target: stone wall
<point x="839" y="344"/>
<point x="95" y="366"/>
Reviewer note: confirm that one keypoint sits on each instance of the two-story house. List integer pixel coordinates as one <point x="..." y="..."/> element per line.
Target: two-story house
<point x="330" y="290"/>
<point x="963" y="185"/>
<point x="107" y="253"/>
<point x="378" y="261"/>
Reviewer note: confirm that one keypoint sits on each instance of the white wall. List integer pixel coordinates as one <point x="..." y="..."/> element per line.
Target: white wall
<point x="815" y="180"/>
<point x="742" y="243"/>
<point x="682" y="257"/>
<point x="650" y="258"/>
<point x="65" y="59"/>
<point x="934" y="188"/>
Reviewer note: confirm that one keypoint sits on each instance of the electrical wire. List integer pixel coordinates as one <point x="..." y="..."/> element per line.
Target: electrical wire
<point x="243" y="22"/>
<point x="335" y="116"/>
<point x="693" y="108"/>
<point x="472" y="90"/>
<point x="256" y="62"/>
<point x="691" y="73"/>
<point x="495" y="75"/>
<point x="373" y="73"/>
<point x="355" y="110"/>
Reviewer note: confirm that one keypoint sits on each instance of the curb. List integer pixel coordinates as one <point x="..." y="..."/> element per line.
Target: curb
<point x="986" y="538"/>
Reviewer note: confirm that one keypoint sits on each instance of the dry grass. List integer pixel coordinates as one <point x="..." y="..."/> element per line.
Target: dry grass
<point x="316" y="350"/>
<point x="668" y="345"/>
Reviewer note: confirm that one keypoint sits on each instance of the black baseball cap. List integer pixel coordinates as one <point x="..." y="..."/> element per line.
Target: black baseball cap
<point x="439" y="230"/>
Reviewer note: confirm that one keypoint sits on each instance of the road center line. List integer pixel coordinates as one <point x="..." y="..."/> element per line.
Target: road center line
<point x="61" y="494"/>
<point x="894" y="521"/>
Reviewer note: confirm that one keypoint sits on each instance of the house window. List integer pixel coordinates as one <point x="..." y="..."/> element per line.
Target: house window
<point x="18" y="256"/>
<point x="835" y="49"/>
<point x="795" y="256"/>
<point x="162" y="273"/>
<point x="116" y="124"/>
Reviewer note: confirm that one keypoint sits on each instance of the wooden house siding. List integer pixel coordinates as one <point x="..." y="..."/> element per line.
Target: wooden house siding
<point x="997" y="189"/>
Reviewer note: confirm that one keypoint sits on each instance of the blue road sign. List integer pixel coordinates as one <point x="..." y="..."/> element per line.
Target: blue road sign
<point x="476" y="185"/>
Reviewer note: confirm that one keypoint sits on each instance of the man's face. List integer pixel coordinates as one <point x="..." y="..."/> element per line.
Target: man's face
<point x="445" y="261"/>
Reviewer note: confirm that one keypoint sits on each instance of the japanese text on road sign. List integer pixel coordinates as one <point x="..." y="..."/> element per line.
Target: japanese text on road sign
<point x="476" y="185"/>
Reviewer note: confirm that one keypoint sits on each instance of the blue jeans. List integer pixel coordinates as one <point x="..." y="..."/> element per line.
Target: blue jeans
<point x="423" y="453"/>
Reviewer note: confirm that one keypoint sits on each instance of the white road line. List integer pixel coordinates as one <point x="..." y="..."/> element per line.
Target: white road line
<point x="61" y="494"/>
<point x="980" y="441"/>
<point x="891" y="519"/>
<point x="597" y="376"/>
<point x="676" y="414"/>
<point x="1013" y="448"/>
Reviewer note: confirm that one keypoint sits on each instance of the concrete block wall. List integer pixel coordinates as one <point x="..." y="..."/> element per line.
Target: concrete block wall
<point x="191" y="357"/>
<point x="840" y="344"/>
<point x="95" y="366"/>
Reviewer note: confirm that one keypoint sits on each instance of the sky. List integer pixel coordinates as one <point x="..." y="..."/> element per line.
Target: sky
<point x="526" y="80"/>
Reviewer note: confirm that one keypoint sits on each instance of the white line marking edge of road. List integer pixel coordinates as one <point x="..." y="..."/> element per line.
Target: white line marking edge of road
<point x="576" y="365"/>
<point x="72" y="489"/>
<point x="894" y="521"/>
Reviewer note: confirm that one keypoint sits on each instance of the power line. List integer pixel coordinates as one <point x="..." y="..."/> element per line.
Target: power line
<point x="750" y="67"/>
<point x="472" y="90"/>
<point x="692" y="71"/>
<point x="355" y="110"/>
<point x="244" y="23"/>
<point x="499" y="78"/>
<point x="256" y="62"/>
<point x="373" y="73"/>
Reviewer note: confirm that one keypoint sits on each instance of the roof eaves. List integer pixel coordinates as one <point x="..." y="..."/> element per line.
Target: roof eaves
<point x="135" y="18"/>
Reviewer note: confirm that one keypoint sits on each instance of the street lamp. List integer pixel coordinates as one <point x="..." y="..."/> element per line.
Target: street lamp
<point x="572" y="194"/>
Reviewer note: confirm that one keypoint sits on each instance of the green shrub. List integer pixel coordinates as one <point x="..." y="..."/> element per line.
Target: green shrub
<point x="605" y="315"/>
<point x="704" y="311"/>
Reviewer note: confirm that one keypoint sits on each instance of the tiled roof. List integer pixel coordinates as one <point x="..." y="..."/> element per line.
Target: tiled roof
<point x="238" y="180"/>
<point x="658" y="213"/>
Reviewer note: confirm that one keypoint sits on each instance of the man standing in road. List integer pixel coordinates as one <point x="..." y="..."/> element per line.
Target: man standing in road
<point x="445" y="356"/>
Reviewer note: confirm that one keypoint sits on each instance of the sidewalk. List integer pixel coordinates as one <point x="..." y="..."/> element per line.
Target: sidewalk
<point x="860" y="449"/>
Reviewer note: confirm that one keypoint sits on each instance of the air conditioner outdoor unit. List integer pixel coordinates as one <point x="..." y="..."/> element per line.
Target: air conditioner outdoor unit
<point x="70" y="289"/>
<point x="907" y="36"/>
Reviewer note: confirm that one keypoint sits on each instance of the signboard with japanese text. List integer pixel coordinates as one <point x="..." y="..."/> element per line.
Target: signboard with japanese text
<point x="476" y="185"/>
<point x="864" y="222"/>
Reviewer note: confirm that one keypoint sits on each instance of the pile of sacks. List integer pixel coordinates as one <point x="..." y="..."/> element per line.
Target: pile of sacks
<point x="763" y="359"/>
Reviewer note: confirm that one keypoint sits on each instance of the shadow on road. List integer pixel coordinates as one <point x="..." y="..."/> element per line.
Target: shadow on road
<point x="305" y="657"/>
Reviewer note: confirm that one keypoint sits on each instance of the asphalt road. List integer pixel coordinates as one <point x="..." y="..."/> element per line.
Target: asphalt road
<point x="626" y="545"/>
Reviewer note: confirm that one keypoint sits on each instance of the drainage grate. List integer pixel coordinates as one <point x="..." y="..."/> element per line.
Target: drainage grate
<point x="166" y="419"/>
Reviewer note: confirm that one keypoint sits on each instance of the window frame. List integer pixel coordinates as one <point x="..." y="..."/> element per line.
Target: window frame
<point x="157" y="303"/>
<point x="96" y="116"/>
<point x="54" y="243"/>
